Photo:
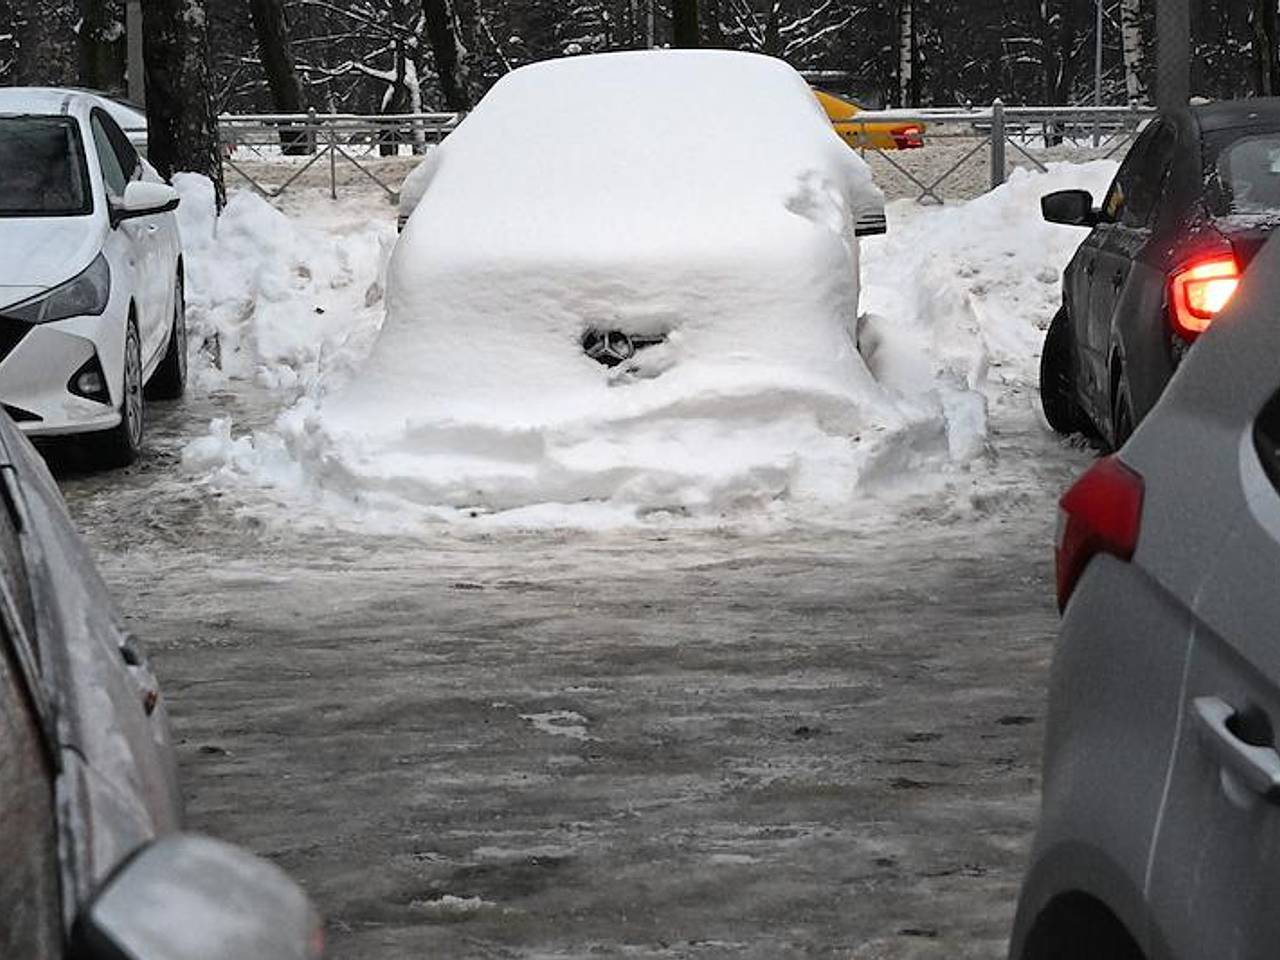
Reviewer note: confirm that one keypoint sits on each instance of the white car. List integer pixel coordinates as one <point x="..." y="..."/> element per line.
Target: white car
<point x="91" y="274"/>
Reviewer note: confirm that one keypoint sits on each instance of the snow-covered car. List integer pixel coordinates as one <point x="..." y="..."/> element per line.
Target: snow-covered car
<point x="613" y="289"/>
<point x="91" y="863"/>
<point x="91" y="274"/>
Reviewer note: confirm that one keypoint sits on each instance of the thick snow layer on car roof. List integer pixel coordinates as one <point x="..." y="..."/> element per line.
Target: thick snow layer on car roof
<point x="634" y="154"/>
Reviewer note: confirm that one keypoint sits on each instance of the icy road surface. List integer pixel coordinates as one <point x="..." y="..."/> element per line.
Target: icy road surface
<point x="817" y="743"/>
<point x="808" y="736"/>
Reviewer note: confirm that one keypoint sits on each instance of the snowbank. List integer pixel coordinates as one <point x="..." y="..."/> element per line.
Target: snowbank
<point x="964" y="293"/>
<point x="476" y="399"/>
<point x="271" y="298"/>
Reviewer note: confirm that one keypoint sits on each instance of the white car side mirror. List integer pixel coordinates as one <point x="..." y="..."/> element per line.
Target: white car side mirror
<point x="144" y="199"/>
<point x="187" y="897"/>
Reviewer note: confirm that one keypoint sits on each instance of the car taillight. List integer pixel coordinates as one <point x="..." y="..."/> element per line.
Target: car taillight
<point x="1200" y="290"/>
<point x="1101" y="513"/>
<point x="907" y="138"/>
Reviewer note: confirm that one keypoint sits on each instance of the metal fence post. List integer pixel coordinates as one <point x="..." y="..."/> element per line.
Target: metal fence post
<point x="997" y="143"/>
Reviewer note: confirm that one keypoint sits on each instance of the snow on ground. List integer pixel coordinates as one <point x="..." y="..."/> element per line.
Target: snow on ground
<point x="955" y="298"/>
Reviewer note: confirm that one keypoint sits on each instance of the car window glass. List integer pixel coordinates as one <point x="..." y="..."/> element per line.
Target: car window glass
<point x="1113" y="205"/>
<point x="1245" y="177"/>
<point x="1148" y="180"/>
<point x="44" y="174"/>
<point x="113" y="174"/>
<point x="1130" y="198"/>
<point x="124" y="151"/>
<point x="29" y="898"/>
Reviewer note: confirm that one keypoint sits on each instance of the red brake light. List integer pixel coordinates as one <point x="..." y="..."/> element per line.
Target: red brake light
<point x="1101" y="513"/>
<point x="907" y="138"/>
<point x="1200" y="290"/>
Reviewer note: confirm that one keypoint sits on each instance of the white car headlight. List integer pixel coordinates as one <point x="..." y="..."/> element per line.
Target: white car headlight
<point x="85" y="295"/>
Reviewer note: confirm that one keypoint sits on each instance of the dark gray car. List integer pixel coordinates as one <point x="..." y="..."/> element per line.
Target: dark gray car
<point x="1194" y="200"/>
<point x="91" y="865"/>
<point x="1159" y="834"/>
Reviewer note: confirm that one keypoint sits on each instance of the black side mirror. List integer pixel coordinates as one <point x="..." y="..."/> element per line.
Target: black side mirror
<point x="1072" y="207"/>
<point x="187" y="897"/>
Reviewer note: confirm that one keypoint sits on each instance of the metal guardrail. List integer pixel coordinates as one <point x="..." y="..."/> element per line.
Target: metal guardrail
<point x="350" y="138"/>
<point x="999" y="127"/>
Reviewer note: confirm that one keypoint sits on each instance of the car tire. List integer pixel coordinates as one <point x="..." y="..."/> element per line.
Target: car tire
<point x="169" y="381"/>
<point x="1057" y="378"/>
<point x="121" y="445"/>
<point x="1122" y="418"/>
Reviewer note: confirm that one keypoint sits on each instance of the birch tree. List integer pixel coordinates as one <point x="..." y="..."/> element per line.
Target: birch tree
<point x="908" y="83"/>
<point x="1134" y="52"/>
<point x="182" y="127"/>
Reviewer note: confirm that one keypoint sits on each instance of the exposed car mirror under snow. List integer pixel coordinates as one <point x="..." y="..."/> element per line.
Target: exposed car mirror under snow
<point x="144" y="199"/>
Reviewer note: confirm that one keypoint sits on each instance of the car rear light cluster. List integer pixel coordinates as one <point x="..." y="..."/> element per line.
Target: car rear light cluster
<point x="1101" y="513"/>
<point x="1199" y="292"/>
<point x="908" y="138"/>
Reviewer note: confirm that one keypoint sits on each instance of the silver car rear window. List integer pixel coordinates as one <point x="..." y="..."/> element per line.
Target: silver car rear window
<point x="42" y="168"/>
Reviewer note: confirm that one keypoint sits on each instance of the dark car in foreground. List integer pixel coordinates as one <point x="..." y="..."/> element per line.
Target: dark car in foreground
<point x="1194" y="200"/>
<point x="91" y="864"/>
<point x="1159" y="833"/>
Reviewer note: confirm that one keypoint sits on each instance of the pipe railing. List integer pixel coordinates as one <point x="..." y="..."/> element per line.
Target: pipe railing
<point x="996" y="129"/>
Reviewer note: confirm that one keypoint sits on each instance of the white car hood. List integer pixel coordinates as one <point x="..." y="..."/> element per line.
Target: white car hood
<point x="37" y="253"/>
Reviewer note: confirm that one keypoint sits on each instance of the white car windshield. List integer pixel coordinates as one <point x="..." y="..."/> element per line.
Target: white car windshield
<point x="42" y="168"/>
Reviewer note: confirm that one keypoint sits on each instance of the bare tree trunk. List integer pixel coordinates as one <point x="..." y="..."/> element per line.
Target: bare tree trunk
<point x="908" y="84"/>
<point x="182" y="129"/>
<point x="1134" y="54"/>
<point x="684" y="24"/>
<point x="271" y="29"/>
<point x="712" y="26"/>
<point x="102" y="45"/>
<point x="445" y="49"/>
<point x="1264" y="48"/>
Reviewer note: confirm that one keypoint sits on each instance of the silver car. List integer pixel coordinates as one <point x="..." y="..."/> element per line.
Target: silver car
<point x="91" y="865"/>
<point x="1159" y="833"/>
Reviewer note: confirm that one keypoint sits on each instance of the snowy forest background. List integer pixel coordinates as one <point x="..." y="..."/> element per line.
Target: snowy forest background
<point x="369" y="56"/>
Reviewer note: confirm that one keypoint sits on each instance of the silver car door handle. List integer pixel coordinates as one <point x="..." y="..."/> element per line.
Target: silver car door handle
<point x="1258" y="767"/>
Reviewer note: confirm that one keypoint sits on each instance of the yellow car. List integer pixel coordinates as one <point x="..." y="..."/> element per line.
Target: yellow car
<point x="874" y="134"/>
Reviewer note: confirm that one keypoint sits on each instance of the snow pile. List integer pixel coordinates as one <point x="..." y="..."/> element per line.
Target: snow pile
<point x="477" y="399"/>
<point x="547" y="216"/>
<point x="964" y="293"/>
<point x="272" y="299"/>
